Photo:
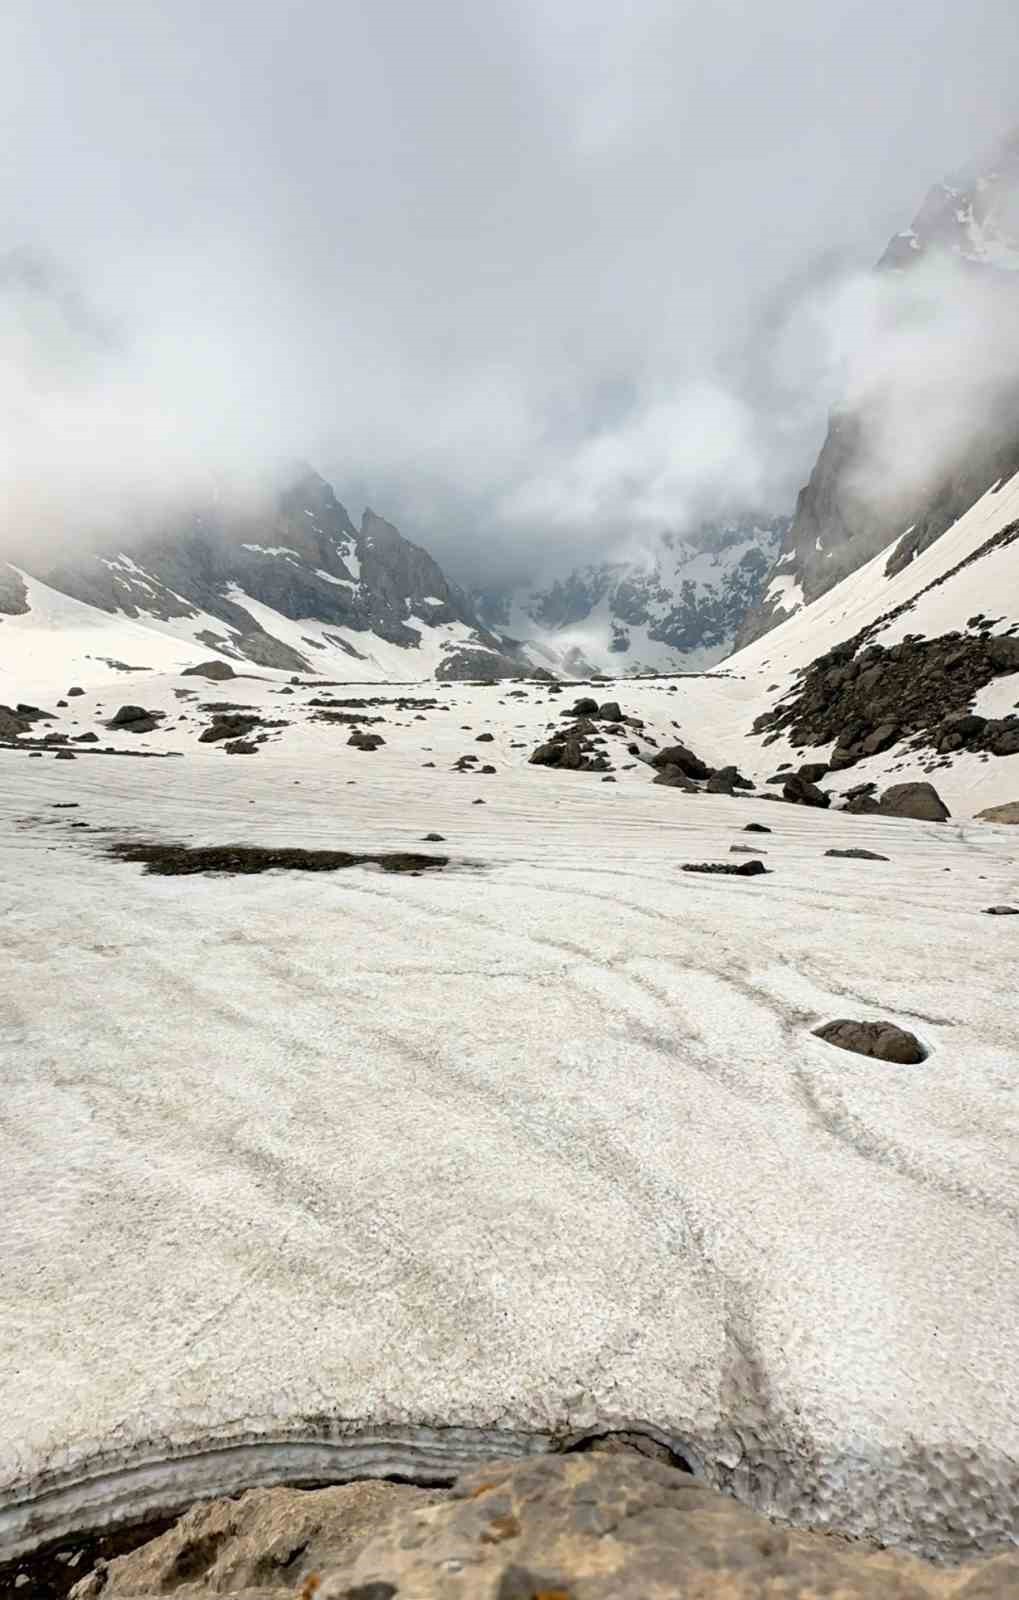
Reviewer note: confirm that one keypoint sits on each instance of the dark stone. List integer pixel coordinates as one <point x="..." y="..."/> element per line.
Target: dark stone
<point x="857" y="855"/>
<point x="672" y="778"/>
<point x="215" y="671"/>
<point x="434" y="838"/>
<point x="610" y="711"/>
<point x="756" y="827"/>
<point x="801" y="793"/>
<point x="484" y="738"/>
<point x="746" y="869"/>
<point x="677" y="755"/>
<point x="726" y="780"/>
<point x="74" y="692"/>
<point x="882" y="1040"/>
<point x="365" y="741"/>
<point x="1002" y="911"/>
<point x="811" y="771"/>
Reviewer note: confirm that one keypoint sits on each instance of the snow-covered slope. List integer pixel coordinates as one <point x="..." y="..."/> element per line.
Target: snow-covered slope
<point x="676" y="608"/>
<point x="312" y="1175"/>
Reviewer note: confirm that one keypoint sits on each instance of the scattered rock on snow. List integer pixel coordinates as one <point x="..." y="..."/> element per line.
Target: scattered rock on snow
<point x="365" y="741"/>
<point x="799" y="792"/>
<point x="172" y="860"/>
<point x="756" y="827"/>
<point x="134" y="719"/>
<point x="677" y="755"/>
<point x="746" y="869"/>
<point x="883" y="1040"/>
<point x="1002" y="911"/>
<point x="673" y="778"/>
<point x="215" y="671"/>
<point x="857" y="855"/>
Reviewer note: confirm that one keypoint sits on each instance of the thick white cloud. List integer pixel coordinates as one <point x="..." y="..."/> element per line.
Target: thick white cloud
<point x="508" y="271"/>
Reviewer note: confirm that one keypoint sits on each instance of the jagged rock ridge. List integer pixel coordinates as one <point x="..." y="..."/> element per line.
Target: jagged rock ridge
<point x="678" y="608"/>
<point x="304" y="561"/>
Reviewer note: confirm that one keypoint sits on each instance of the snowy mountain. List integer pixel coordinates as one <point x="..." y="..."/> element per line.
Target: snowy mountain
<point x="677" y="608"/>
<point x="972" y="218"/>
<point x="294" y="587"/>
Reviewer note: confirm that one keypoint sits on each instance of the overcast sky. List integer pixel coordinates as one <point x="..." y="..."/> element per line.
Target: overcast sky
<point x="509" y="270"/>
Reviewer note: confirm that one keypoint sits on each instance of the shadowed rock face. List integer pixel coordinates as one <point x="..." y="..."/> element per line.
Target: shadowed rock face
<point x="301" y="555"/>
<point x="13" y="595"/>
<point x="868" y="698"/>
<point x="594" y="1526"/>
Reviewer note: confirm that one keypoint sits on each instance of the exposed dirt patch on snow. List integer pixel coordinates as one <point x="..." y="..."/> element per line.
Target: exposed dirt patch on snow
<point x="176" y="860"/>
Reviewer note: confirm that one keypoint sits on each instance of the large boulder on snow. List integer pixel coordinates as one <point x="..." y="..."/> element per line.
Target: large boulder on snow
<point x="918" y="800"/>
<point x="215" y="671"/>
<point x="677" y="755"/>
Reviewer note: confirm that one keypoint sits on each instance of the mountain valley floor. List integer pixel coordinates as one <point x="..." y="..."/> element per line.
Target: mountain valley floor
<point x="318" y="1174"/>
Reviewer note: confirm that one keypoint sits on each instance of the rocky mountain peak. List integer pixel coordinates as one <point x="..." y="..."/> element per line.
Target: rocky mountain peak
<point x="972" y="215"/>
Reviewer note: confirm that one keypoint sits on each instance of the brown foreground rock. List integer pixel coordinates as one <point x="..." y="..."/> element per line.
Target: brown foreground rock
<point x="575" y="1527"/>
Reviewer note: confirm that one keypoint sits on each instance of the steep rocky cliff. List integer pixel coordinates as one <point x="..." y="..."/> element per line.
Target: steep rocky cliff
<point x="972" y="220"/>
<point x="294" y="585"/>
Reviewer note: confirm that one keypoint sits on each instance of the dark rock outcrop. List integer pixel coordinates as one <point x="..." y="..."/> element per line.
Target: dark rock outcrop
<point x="572" y="749"/>
<point x="868" y="698"/>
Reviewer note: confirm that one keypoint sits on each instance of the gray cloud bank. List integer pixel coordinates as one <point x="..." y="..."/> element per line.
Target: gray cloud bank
<point x="529" y="278"/>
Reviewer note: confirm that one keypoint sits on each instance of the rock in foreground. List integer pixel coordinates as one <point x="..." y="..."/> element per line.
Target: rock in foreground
<point x="580" y="1527"/>
<point x="882" y="1040"/>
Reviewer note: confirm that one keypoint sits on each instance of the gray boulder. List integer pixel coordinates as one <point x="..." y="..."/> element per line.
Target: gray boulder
<point x="918" y="800"/>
